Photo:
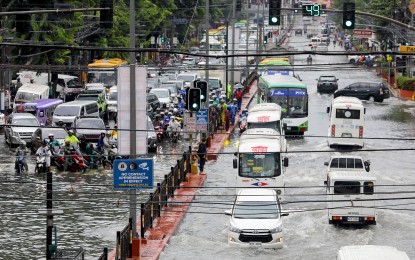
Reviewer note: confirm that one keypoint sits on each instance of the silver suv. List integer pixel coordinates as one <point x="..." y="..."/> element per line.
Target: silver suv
<point x="20" y="126"/>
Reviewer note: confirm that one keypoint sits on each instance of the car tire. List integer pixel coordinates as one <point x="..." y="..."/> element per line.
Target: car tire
<point x="352" y="61"/>
<point x="371" y="98"/>
<point x="380" y="100"/>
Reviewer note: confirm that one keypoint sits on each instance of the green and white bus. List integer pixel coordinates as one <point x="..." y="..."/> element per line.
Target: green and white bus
<point x="291" y="95"/>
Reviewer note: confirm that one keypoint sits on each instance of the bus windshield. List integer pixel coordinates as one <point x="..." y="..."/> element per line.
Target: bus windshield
<point x="293" y="101"/>
<point x="259" y="165"/>
<point x="273" y="125"/>
<point x="25" y="96"/>
<point x="107" y="77"/>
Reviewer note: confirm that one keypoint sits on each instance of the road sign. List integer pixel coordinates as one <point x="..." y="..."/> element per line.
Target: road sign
<point x="362" y="33"/>
<point x="202" y="120"/>
<point x="133" y="174"/>
<point x="191" y="124"/>
<point x="406" y="49"/>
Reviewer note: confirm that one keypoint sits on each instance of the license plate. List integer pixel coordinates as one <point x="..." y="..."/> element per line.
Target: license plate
<point x="353" y="219"/>
<point x="255" y="243"/>
<point x="347" y="135"/>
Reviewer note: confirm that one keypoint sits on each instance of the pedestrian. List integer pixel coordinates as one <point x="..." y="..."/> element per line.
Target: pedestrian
<point x="201" y="152"/>
<point x="234" y="110"/>
<point x="223" y="108"/>
<point x="227" y="118"/>
<point x="238" y="96"/>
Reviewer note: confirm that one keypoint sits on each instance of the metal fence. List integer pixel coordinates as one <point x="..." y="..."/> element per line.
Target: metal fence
<point x="157" y="200"/>
<point x="104" y="255"/>
<point x="125" y="241"/>
<point x="69" y="254"/>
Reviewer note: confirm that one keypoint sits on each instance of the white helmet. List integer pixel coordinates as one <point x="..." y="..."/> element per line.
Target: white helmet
<point x="22" y="143"/>
<point x="172" y="117"/>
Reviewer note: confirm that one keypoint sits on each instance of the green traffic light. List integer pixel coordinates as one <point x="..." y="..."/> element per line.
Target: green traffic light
<point x="348" y="23"/>
<point x="296" y="11"/>
<point x="195" y="105"/>
<point x="274" y="19"/>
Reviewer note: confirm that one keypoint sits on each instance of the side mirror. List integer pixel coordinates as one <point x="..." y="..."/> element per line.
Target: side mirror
<point x="364" y="111"/>
<point x="328" y="110"/>
<point x="325" y="183"/>
<point x="235" y="163"/>
<point x="284" y="214"/>
<point x="326" y="163"/>
<point x="228" y="212"/>
<point x="337" y="79"/>
<point x="285" y="162"/>
<point x="284" y="126"/>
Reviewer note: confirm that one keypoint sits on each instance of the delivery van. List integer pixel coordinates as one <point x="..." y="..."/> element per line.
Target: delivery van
<point x="66" y="113"/>
<point x="30" y="92"/>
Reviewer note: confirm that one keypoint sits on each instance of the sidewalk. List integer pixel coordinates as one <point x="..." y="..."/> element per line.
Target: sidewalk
<point x="165" y="226"/>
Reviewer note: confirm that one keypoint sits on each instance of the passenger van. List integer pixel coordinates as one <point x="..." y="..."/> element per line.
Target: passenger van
<point x="31" y="91"/>
<point x="267" y="115"/>
<point x="347" y="116"/>
<point x="43" y="109"/>
<point x="66" y="113"/>
<point x="260" y="162"/>
<point x="351" y="197"/>
<point x="256" y="219"/>
<point x="365" y="252"/>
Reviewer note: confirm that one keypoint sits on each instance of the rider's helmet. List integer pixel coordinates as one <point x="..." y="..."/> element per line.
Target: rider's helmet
<point x="172" y="118"/>
<point x="170" y="114"/>
<point x="44" y="142"/>
<point x="23" y="143"/>
<point x="70" y="132"/>
<point x="175" y="110"/>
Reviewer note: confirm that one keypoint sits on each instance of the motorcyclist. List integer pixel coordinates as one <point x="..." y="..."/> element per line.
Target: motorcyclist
<point x="166" y="121"/>
<point x="44" y="151"/>
<point x="174" y="125"/>
<point x="22" y="151"/>
<point x="52" y="142"/>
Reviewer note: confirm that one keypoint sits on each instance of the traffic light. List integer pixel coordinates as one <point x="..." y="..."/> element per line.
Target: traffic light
<point x="274" y="12"/>
<point x="203" y="86"/>
<point x="106" y="16"/>
<point x="296" y="8"/>
<point x="193" y="99"/>
<point x="238" y="5"/>
<point x="348" y="15"/>
<point x="163" y="39"/>
<point x="265" y="39"/>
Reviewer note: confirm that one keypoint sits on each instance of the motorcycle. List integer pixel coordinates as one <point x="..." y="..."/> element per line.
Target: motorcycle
<point x="57" y="158"/>
<point x="174" y="134"/>
<point x="40" y="164"/>
<point x="20" y="164"/>
<point x="104" y="161"/>
<point x="159" y="134"/>
<point x="76" y="163"/>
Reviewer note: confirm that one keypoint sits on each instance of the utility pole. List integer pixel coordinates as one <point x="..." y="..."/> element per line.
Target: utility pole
<point x="233" y="43"/>
<point x="258" y="37"/>
<point x="227" y="59"/>
<point x="207" y="43"/>
<point x="133" y="133"/>
<point x="247" y="37"/>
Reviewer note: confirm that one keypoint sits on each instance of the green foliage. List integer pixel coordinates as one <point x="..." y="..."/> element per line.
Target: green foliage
<point x="405" y="83"/>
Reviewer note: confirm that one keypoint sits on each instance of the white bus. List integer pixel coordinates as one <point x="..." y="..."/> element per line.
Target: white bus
<point x="261" y="163"/>
<point x="347" y="116"/>
<point x="351" y="197"/>
<point x="267" y="115"/>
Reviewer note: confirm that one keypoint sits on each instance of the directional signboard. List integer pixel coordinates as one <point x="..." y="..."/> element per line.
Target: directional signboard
<point x="133" y="174"/>
<point x="362" y="33"/>
<point x="406" y="49"/>
<point x="202" y="119"/>
<point x="191" y="124"/>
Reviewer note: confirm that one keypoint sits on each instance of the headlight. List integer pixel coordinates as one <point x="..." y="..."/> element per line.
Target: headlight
<point x="234" y="229"/>
<point x="15" y="134"/>
<point x="276" y="230"/>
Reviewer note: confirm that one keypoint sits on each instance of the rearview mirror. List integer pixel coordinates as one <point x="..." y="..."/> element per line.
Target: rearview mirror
<point x="235" y="163"/>
<point x="328" y="110"/>
<point x="285" y="162"/>
<point x="326" y="163"/>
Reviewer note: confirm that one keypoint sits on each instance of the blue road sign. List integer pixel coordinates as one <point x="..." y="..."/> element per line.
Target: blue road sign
<point x="202" y="119"/>
<point x="133" y="174"/>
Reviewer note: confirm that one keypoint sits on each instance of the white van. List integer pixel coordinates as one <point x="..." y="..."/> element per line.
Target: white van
<point x="112" y="101"/>
<point x="66" y="113"/>
<point x="267" y="115"/>
<point x="260" y="162"/>
<point x="256" y="219"/>
<point x="31" y="91"/>
<point x="351" y="197"/>
<point x="347" y="116"/>
<point x="365" y="252"/>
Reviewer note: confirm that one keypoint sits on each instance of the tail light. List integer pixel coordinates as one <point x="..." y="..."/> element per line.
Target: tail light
<point x="333" y="130"/>
<point x="370" y="218"/>
<point x="360" y="131"/>
<point x="337" y="218"/>
<point x="381" y="91"/>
